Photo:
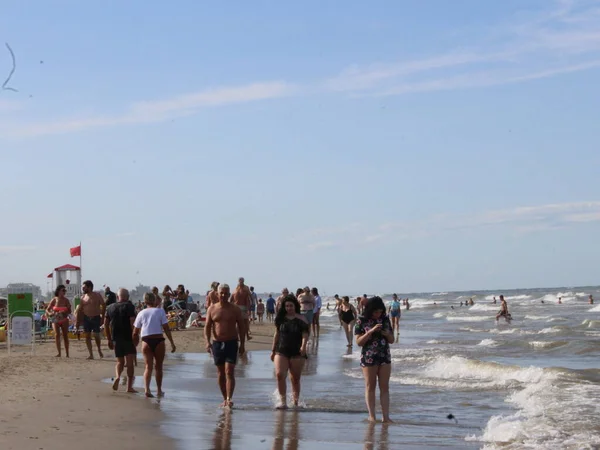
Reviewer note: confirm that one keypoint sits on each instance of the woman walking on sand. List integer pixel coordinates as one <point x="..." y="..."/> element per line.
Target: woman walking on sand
<point x="59" y="310"/>
<point x="150" y="324"/>
<point x="289" y="348"/>
<point x="348" y="316"/>
<point x="374" y="334"/>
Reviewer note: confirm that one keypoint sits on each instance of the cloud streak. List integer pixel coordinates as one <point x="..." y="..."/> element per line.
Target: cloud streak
<point x="148" y="112"/>
<point x="521" y="220"/>
<point x="565" y="38"/>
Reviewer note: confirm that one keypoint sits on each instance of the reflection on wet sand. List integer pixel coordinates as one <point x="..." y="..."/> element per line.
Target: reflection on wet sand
<point x="223" y="430"/>
<point x="370" y="437"/>
<point x="292" y="435"/>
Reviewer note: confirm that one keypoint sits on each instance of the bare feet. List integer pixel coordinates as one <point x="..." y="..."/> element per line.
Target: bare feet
<point x="116" y="384"/>
<point x="160" y="394"/>
<point x="229" y="403"/>
<point x="90" y="357"/>
<point x="387" y="420"/>
<point x="372" y="419"/>
<point x="57" y="356"/>
<point x="149" y="394"/>
<point x="100" y="353"/>
<point x="282" y="406"/>
<point x="132" y="391"/>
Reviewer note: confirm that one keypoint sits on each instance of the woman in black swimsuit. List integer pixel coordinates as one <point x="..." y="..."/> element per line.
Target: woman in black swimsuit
<point x="289" y="348"/>
<point x="348" y="316"/>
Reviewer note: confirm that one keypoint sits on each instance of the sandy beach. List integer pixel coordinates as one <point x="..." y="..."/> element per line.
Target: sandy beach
<point x="48" y="402"/>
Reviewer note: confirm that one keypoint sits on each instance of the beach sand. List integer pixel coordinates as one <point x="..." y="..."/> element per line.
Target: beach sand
<point x="47" y="402"/>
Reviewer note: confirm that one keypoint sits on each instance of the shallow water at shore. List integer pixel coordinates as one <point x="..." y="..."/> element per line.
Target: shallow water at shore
<point x="533" y="383"/>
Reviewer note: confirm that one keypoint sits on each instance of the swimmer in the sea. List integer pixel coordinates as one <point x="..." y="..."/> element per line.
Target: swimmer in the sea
<point x="503" y="310"/>
<point x="560" y="300"/>
<point x="591" y="299"/>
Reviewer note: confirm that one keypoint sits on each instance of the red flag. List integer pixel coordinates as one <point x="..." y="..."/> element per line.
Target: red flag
<point x="76" y="251"/>
<point x="49" y="275"/>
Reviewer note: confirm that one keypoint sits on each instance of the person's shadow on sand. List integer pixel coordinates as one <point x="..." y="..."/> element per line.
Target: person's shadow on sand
<point x="292" y="435"/>
<point x="370" y="437"/>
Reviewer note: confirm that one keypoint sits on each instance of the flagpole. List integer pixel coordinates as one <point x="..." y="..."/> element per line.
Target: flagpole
<point x="80" y="266"/>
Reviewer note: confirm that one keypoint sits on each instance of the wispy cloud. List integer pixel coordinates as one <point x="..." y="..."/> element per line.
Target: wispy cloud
<point x="563" y="38"/>
<point x="6" y="249"/>
<point x="160" y="110"/>
<point x="520" y="220"/>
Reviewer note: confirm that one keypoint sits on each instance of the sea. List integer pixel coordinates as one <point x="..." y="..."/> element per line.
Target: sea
<point x="460" y="380"/>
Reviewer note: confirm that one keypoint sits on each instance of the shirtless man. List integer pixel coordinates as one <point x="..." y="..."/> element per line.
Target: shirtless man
<point x="242" y="297"/>
<point x="92" y="307"/>
<point x="591" y="299"/>
<point x="213" y="296"/>
<point x="225" y="324"/>
<point x="503" y="310"/>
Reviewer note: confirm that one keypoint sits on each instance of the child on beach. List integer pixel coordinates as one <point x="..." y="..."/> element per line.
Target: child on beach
<point x="260" y="310"/>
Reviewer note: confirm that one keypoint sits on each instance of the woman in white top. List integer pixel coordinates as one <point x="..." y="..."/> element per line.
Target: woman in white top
<point x="150" y="323"/>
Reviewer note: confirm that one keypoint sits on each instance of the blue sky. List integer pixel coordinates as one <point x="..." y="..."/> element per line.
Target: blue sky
<point x="392" y="146"/>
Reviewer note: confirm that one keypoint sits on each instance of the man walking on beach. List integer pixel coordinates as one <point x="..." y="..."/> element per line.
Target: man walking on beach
<point x="242" y="297"/>
<point x="118" y="327"/>
<point x="92" y="306"/>
<point x="253" y="303"/>
<point x="213" y="295"/>
<point x="225" y="325"/>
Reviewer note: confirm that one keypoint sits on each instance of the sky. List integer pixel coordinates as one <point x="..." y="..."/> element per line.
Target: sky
<point x="391" y="146"/>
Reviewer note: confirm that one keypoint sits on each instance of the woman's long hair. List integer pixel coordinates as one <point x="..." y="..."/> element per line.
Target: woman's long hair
<point x="373" y="304"/>
<point x="280" y="317"/>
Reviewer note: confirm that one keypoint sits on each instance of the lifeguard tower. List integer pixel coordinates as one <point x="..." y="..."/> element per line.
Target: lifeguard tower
<point x="70" y="276"/>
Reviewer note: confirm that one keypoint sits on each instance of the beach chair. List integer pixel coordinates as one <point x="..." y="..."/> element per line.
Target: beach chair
<point x="40" y="331"/>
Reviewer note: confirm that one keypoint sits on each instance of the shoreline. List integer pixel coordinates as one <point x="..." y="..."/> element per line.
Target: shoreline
<point x="48" y="402"/>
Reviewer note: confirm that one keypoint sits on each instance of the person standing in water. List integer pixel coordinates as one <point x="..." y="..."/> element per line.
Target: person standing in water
<point x="59" y="310"/>
<point x="395" y="313"/>
<point x="374" y="334"/>
<point x="503" y="310"/>
<point x="316" y="326"/>
<point x="150" y="323"/>
<point x="92" y="307"/>
<point x="591" y="299"/>
<point x="225" y="326"/>
<point x="118" y="328"/>
<point x="289" y="348"/>
<point x="348" y="316"/>
<point x="260" y="310"/>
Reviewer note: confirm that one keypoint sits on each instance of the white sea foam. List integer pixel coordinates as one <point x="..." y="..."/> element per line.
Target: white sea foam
<point x="591" y="323"/>
<point x="419" y="303"/>
<point x="549" y="330"/>
<point x="440" y="293"/>
<point x="484" y="307"/>
<point x="594" y="309"/>
<point x="543" y="344"/>
<point x="508" y="297"/>
<point x="542" y="405"/>
<point x="488" y="343"/>
<point x="437" y="315"/>
<point x="468" y="318"/>
<point x="537" y="317"/>
<point x="473" y="330"/>
<point x="581" y="294"/>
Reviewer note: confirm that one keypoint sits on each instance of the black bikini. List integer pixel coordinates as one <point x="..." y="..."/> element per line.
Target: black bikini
<point x="347" y="316"/>
<point x="153" y="342"/>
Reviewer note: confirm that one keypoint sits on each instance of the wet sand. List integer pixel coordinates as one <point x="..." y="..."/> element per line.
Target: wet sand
<point x="332" y="414"/>
<point x="48" y="403"/>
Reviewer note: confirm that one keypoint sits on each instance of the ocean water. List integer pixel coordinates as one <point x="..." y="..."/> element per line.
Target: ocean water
<point x="534" y="383"/>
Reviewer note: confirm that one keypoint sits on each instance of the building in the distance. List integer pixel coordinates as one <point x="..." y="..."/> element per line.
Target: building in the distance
<point x="22" y="288"/>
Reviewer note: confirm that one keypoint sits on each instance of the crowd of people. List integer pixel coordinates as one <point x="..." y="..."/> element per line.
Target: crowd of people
<point x="295" y="318"/>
